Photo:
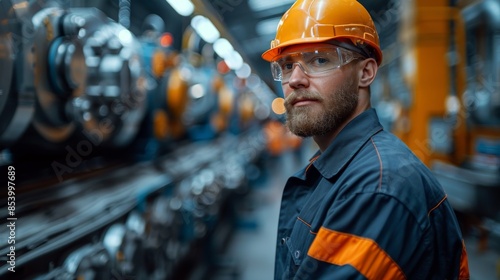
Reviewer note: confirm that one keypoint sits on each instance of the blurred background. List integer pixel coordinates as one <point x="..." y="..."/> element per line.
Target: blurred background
<point x="145" y="139"/>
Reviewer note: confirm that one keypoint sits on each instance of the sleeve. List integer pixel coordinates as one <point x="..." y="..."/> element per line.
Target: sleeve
<point x="369" y="236"/>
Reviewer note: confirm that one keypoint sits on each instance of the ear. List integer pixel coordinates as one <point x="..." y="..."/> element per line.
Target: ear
<point x="367" y="72"/>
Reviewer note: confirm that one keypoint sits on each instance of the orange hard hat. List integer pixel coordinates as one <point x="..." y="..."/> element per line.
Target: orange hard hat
<point x="314" y="21"/>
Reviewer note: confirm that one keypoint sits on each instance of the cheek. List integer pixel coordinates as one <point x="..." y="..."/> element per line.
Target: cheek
<point x="327" y="85"/>
<point x="333" y="82"/>
<point x="287" y="91"/>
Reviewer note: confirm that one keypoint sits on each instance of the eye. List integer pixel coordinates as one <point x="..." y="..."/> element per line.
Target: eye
<point x="319" y="61"/>
<point x="287" y="65"/>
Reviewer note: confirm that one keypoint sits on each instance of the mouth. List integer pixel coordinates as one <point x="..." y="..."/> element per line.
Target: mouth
<point x="302" y="102"/>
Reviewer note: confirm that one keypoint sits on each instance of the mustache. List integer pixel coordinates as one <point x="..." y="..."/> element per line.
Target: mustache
<point x="302" y="94"/>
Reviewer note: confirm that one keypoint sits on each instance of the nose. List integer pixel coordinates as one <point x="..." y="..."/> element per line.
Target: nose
<point x="298" y="77"/>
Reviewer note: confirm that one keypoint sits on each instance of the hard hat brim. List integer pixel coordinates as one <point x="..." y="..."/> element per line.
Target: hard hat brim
<point x="270" y="54"/>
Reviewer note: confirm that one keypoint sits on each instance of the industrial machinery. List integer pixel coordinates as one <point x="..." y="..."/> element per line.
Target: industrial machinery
<point x="75" y="79"/>
<point x="147" y="220"/>
<point x="79" y="87"/>
<point x="476" y="180"/>
<point x="438" y="90"/>
<point x="192" y="95"/>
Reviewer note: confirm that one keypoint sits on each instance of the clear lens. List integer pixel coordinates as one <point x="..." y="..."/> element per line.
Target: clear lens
<point x="276" y="71"/>
<point x="312" y="61"/>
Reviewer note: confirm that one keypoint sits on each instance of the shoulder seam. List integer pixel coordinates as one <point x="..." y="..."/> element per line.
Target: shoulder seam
<point x="380" y="162"/>
<point x="437" y="205"/>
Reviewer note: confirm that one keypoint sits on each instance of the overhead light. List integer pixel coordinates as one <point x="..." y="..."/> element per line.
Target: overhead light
<point x="222" y="67"/>
<point x="182" y="7"/>
<point x="267" y="26"/>
<point x="166" y="39"/>
<point x="278" y="106"/>
<point x="125" y="37"/>
<point x="205" y="28"/>
<point x="234" y="60"/>
<point x="244" y="71"/>
<point x="253" y="81"/>
<point x="260" y="5"/>
<point x="223" y="48"/>
<point x="197" y="91"/>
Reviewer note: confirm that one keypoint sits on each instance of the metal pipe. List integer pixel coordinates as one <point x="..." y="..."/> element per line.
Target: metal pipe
<point x="486" y="15"/>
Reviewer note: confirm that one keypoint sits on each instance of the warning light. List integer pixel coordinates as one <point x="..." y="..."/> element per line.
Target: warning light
<point x="166" y="40"/>
<point x="278" y="106"/>
<point x="222" y="67"/>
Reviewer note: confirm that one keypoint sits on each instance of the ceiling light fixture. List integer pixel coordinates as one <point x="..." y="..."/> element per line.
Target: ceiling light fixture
<point x="205" y="29"/>
<point x="182" y="7"/>
<point x="223" y="47"/>
<point x="244" y="71"/>
<point x="267" y="26"/>
<point x="234" y="60"/>
<point x="260" y="5"/>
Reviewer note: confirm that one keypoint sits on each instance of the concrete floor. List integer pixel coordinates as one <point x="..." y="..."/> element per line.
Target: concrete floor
<point x="483" y="264"/>
<point x="252" y="248"/>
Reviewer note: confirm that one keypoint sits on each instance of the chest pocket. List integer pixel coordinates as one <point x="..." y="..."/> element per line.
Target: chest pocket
<point x="298" y="244"/>
<point x="302" y="235"/>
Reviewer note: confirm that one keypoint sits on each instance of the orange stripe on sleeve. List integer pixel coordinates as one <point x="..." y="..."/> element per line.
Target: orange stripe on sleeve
<point x="464" y="264"/>
<point x="361" y="253"/>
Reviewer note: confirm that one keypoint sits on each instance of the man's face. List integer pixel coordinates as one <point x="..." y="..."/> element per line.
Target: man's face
<point x="326" y="111"/>
<point x="319" y="105"/>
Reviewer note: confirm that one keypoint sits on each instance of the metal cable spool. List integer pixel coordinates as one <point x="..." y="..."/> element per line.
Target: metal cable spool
<point x="203" y="84"/>
<point x="113" y="103"/>
<point x="89" y="262"/>
<point x="482" y="97"/>
<point x="16" y="63"/>
<point x="86" y="79"/>
<point x="56" y="53"/>
<point x="125" y="244"/>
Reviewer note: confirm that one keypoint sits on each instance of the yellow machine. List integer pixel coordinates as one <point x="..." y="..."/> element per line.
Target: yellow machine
<point x="434" y="124"/>
<point x="447" y="52"/>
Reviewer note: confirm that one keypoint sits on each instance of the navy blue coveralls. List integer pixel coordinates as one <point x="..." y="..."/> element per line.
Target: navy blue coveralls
<point x="367" y="208"/>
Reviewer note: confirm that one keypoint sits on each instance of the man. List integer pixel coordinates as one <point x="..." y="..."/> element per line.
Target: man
<point x="365" y="207"/>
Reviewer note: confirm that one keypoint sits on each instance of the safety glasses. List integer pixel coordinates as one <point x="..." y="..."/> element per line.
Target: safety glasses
<point x="312" y="61"/>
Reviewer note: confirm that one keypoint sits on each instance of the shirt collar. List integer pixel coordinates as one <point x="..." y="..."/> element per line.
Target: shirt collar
<point x="347" y="143"/>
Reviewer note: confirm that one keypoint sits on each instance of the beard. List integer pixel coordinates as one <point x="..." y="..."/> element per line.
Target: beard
<point x="336" y="108"/>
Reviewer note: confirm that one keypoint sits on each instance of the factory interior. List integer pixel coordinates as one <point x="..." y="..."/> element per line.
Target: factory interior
<point x="146" y="139"/>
